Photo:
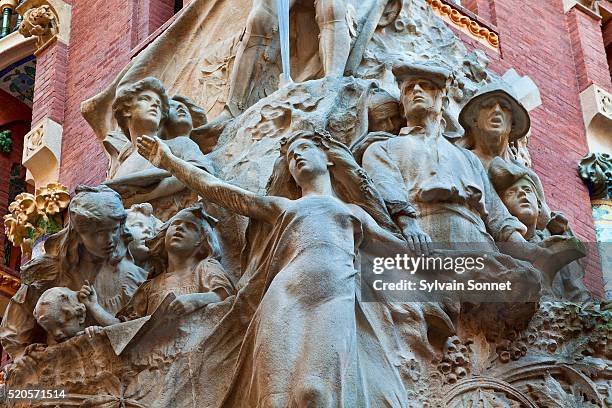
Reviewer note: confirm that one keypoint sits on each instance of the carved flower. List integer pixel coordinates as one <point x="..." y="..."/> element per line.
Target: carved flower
<point x="16" y="231"/>
<point x="24" y="208"/>
<point x="53" y="198"/>
<point x="13" y="229"/>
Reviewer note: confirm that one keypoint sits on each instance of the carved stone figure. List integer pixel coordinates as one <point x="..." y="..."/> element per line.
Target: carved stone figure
<point x="92" y="248"/>
<point x="384" y="113"/>
<point x="262" y="25"/>
<point x="384" y="121"/>
<point x="518" y="191"/>
<point x="61" y="314"/>
<point x="184" y="255"/>
<point x="143" y="108"/>
<point x="40" y="22"/>
<point x="142" y="225"/>
<point x="595" y="169"/>
<point x="316" y="193"/>
<point x="447" y="184"/>
<point x="282" y="319"/>
<point x="494" y="120"/>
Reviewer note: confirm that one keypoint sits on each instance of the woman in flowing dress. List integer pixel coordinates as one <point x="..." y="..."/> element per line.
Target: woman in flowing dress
<point x="310" y="341"/>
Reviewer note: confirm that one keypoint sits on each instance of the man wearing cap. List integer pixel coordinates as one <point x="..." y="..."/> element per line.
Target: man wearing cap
<point x="434" y="189"/>
<point x="493" y="119"/>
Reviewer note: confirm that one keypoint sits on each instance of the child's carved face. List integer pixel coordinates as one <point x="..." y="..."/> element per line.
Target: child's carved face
<point x="59" y="312"/>
<point x="522" y="201"/>
<point x="142" y="227"/>
<point x="101" y="239"/>
<point x="184" y="234"/>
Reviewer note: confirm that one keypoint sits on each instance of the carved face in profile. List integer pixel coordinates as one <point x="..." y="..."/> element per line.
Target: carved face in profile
<point x="146" y="109"/>
<point x="100" y="238"/>
<point x="179" y="118"/>
<point x="419" y="97"/>
<point x="60" y="313"/>
<point x="142" y="225"/>
<point x="184" y="235"/>
<point x="305" y="160"/>
<point x="494" y="118"/>
<point x="522" y="201"/>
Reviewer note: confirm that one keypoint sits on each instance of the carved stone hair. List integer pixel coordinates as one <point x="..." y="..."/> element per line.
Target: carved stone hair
<point x="125" y="98"/>
<point x="96" y="204"/>
<point x="59" y="298"/>
<point x="350" y="181"/>
<point x="209" y="248"/>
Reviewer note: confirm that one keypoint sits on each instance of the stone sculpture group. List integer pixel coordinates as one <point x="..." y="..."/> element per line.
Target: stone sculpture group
<point x="223" y="263"/>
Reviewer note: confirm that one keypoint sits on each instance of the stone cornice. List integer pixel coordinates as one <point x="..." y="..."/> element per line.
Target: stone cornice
<point x="466" y="22"/>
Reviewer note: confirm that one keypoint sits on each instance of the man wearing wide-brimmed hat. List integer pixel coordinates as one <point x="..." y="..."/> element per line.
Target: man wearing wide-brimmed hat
<point x="493" y="119"/>
<point x="435" y="189"/>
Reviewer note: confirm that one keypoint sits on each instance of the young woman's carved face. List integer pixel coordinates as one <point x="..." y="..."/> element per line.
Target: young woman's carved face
<point x="146" y="108"/>
<point x="179" y="118"/>
<point x="306" y="159"/>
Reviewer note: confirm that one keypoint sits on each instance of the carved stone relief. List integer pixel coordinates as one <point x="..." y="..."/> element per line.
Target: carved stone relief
<point x="252" y="292"/>
<point x="43" y="151"/>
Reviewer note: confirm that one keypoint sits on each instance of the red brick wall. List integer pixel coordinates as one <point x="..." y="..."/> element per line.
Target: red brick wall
<point x="536" y="40"/>
<point x="588" y="50"/>
<point x="50" y="84"/>
<point x="148" y="16"/>
<point x="100" y="46"/>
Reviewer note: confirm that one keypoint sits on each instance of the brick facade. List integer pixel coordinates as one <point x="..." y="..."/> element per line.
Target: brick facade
<point x="561" y="53"/>
<point x="95" y="59"/>
<point x="50" y="84"/>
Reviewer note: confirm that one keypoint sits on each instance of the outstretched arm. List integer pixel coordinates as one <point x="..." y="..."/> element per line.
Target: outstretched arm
<point x="210" y="187"/>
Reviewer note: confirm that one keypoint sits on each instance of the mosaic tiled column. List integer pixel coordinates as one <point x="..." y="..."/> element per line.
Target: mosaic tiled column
<point x="596" y="171"/>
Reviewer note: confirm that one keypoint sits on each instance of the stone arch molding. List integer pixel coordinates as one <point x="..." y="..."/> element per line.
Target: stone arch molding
<point x="47" y="20"/>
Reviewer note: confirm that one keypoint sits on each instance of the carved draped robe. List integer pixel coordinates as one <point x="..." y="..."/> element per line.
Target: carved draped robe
<point x="447" y="185"/>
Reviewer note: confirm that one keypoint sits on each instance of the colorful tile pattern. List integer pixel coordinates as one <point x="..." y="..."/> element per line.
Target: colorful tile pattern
<point x="602" y="216"/>
<point x="18" y="79"/>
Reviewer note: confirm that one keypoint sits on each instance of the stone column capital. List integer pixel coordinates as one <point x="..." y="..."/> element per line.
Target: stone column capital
<point x="47" y="20"/>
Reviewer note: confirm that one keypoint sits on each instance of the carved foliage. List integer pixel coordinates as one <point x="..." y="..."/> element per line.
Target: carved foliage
<point x="41" y="22"/>
<point x="595" y="169"/>
<point x="455" y="364"/>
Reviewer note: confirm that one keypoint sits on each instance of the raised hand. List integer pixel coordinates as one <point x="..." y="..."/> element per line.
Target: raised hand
<point x="88" y="296"/>
<point x="154" y="150"/>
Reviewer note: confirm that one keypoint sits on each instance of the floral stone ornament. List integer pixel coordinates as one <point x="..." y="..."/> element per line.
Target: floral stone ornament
<point x="32" y="216"/>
